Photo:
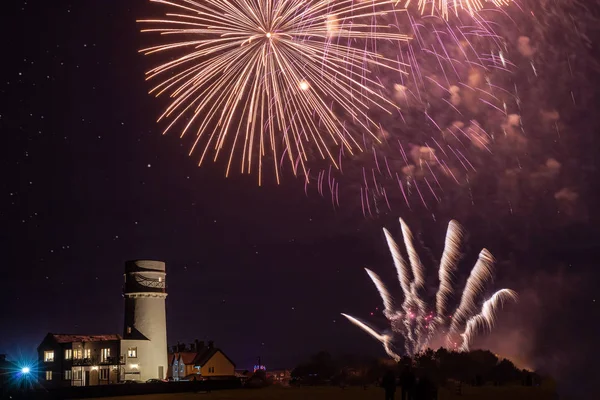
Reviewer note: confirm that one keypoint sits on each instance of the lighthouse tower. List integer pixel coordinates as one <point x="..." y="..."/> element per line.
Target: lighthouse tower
<point x="144" y="344"/>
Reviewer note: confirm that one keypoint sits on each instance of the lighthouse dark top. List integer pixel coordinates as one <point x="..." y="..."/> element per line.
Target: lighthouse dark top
<point x="144" y="276"/>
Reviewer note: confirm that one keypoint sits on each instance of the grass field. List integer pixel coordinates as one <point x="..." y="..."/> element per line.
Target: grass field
<point x="335" y="393"/>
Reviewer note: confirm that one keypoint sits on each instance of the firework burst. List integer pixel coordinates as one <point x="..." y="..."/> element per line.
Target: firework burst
<point x="458" y="105"/>
<point x="270" y="78"/>
<point x="420" y="327"/>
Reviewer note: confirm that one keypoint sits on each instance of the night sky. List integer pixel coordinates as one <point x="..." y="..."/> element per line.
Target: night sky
<point x="89" y="182"/>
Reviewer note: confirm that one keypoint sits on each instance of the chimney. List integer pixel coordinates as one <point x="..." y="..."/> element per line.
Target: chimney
<point x="201" y="345"/>
<point x="192" y="347"/>
<point x="210" y="344"/>
<point x="197" y="345"/>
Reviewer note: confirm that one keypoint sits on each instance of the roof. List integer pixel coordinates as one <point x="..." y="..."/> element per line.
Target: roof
<point x="208" y="354"/>
<point x="70" y="338"/>
<point x="187" y="357"/>
<point x="197" y="358"/>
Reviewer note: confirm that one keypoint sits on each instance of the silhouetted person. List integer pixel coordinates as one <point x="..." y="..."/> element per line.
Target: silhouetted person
<point x="388" y="383"/>
<point x="407" y="382"/>
<point x="478" y="380"/>
<point x="425" y="390"/>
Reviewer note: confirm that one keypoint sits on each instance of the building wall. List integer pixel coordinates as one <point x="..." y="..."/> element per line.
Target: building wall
<point x="143" y="366"/>
<point x="56" y="367"/>
<point x="76" y="366"/>
<point x="222" y="366"/>
<point x="86" y="375"/>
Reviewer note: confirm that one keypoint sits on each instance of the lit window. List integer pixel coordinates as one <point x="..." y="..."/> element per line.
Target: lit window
<point x="48" y="375"/>
<point x="68" y="354"/>
<point x="49" y="356"/>
<point x="104" y="374"/>
<point x="77" y="354"/>
<point x="87" y="353"/>
<point x="128" y="329"/>
<point x="77" y="375"/>
<point x="132" y="352"/>
<point x="104" y="355"/>
<point x="68" y="375"/>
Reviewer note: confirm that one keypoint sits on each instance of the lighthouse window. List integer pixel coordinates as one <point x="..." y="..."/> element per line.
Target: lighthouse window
<point x="132" y="352"/>
<point x="128" y="329"/>
<point x="48" y="375"/>
<point x="160" y="279"/>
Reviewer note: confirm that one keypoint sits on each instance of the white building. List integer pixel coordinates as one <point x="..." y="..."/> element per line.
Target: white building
<point x="139" y="354"/>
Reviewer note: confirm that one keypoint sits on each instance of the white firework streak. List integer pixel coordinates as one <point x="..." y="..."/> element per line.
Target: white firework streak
<point x="448" y="265"/>
<point x="404" y="277"/>
<point x="415" y="337"/>
<point x="419" y="279"/>
<point x="480" y="274"/>
<point x="383" y="292"/>
<point x="487" y="317"/>
<point x="384" y="339"/>
<point x="400" y="264"/>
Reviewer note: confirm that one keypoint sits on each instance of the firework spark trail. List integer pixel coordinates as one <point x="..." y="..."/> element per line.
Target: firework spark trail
<point x="402" y="269"/>
<point x="445" y="7"/>
<point x="487" y="317"/>
<point x="448" y="265"/>
<point x="383" y="292"/>
<point x="415" y="262"/>
<point x="402" y="322"/>
<point x="272" y="76"/>
<point x="418" y="282"/>
<point x="404" y="277"/>
<point x="480" y="274"/>
<point x="384" y="339"/>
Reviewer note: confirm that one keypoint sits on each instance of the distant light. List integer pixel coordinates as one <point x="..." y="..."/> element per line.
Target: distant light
<point x="134" y="366"/>
<point x="25" y="370"/>
<point x="94" y="368"/>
